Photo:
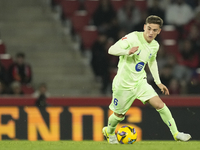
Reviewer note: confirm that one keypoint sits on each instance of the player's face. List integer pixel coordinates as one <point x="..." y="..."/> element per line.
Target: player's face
<point x="151" y="31"/>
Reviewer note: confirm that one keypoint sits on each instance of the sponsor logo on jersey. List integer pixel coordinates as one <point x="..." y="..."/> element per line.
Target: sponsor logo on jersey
<point x="139" y="66"/>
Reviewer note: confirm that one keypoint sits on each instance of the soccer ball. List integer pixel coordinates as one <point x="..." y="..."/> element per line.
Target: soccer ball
<point x="126" y="135"/>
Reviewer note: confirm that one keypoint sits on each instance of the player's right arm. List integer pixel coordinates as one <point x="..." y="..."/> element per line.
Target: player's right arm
<point x="118" y="51"/>
<point x="122" y="47"/>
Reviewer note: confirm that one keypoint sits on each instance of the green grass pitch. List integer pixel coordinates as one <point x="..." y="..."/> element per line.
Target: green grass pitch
<point x="92" y="145"/>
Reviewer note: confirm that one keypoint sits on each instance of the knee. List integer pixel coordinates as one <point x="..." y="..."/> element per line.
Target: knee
<point x="159" y="106"/>
<point x="119" y="115"/>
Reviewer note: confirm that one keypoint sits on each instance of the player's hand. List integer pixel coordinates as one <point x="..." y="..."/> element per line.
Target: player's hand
<point x="133" y="50"/>
<point x="163" y="88"/>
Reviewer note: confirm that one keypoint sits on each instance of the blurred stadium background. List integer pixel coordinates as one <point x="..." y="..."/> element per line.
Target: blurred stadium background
<point x="63" y="45"/>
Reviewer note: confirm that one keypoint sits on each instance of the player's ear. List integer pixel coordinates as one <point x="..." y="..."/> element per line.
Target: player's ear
<point x="159" y="31"/>
<point x="144" y="26"/>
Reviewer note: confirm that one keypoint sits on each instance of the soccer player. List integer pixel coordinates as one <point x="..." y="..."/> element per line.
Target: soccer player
<point x="136" y="50"/>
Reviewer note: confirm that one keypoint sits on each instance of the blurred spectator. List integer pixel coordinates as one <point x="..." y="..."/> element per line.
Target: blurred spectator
<point x="16" y="88"/>
<point x="41" y="94"/>
<point x="100" y="61"/>
<point x="179" y="13"/>
<point x="42" y="90"/>
<point x="3" y="74"/>
<point x="113" y="30"/>
<point x="194" y="21"/>
<point x="20" y="70"/>
<point x="194" y="35"/>
<point x="192" y="31"/>
<point x="174" y="87"/>
<point x="197" y="8"/>
<point x="112" y="59"/>
<point x="2" y="89"/>
<point x="156" y="10"/>
<point x="188" y="55"/>
<point x="128" y="15"/>
<point x="166" y="74"/>
<point x="182" y="73"/>
<point x="41" y="101"/>
<point x="140" y="25"/>
<point x="194" y="85"/>
<point x="163" y="4"/>
<point x="103" y="15"/>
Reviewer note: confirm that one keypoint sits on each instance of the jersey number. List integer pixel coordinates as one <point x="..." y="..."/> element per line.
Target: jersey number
<point x="116" y="102"/>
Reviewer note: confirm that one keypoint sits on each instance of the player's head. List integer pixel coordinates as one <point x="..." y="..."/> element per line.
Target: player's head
<point x="152" y="27"/>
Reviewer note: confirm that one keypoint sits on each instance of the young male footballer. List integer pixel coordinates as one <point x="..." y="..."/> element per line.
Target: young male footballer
<point x="135" y="50"/>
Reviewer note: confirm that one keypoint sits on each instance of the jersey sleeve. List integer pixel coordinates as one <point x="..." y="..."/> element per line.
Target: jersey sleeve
<point x="154" y="55"/>
<point x="128" y="41"/>
<point x="123" y="45"/>
<point x="153" y="67"/>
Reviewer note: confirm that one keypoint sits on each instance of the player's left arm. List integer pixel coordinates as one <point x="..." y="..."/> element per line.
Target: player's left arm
<point x="163" y="89"/>
<point x="153" y="67"/>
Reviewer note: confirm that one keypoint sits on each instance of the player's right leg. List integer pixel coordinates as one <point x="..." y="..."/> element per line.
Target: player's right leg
<point x="111" y="138"/>
<point x="180" y="136"/>
<point x="121" y="102"/>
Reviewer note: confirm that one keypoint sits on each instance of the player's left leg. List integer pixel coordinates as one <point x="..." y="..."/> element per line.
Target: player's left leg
<point x="167" y="118"/>
<point x="109" y="131"/>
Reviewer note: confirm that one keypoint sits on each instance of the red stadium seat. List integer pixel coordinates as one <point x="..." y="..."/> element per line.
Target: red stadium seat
<point x="69" y="7"/>
<point x="91" y="6"/>
<point x="169" y="32"/>
<point x="6" y="60"/>
<point x="117" y="4"/>
<point x="141" y="4"/>
<point x="27" y="89"/>
<point x="2" y="48"/>
<point x="79" y="20"/>
<point x="89" y="35"/>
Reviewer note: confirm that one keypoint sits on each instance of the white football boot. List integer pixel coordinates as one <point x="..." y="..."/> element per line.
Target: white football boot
<point x="180" y="136"/>
<point x="111" y="138"/>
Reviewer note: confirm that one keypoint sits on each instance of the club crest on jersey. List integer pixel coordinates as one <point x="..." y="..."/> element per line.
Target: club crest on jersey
<point x="150" y="56"/>
<point x="139" y="66"/>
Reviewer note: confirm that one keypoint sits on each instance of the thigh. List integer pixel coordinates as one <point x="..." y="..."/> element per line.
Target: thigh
<point x="145" y="92"/>
<point x="122" y="101"/>
<point x="156" y="102"/>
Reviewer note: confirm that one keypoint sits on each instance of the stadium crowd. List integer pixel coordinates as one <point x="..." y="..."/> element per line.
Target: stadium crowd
<point x="178" y="57"/>
<point x="179" y="54"/>
<point x="179" y="67"/>
<point x="16" y="77"/>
